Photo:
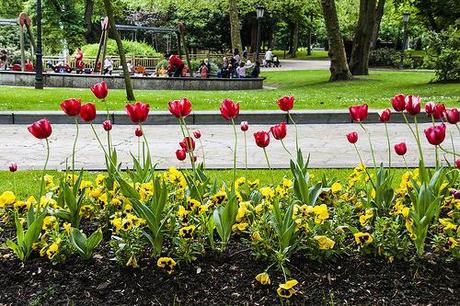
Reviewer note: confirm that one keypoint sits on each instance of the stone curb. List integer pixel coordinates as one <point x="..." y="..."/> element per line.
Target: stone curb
<point x="207" y="117"/>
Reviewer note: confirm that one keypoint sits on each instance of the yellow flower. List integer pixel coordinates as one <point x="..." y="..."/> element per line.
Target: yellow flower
<point x="48" y="223"/>
<point x="321" y="213"/>
<point x="52" y="250"/>
<point x="95" y="193"/>
<point x="368" y="215"/>
<point x="451" y="243"/>
<point x="267" y="193"/>
<point x="100" y="179"/>
<point x="410" y="228"/>
<point x="256" y="236"/>
<point x="86" y="211"/>
<point x="263" y="278"/>
<point x="49" y="183"/>
<point x="21" y="205"/>
<point x="67" y="227"/>
<point x="167" y="263"/>
<point x="219" y="197"/>
<point x="363" y="238"/>
<point x="324" y="242"/>
<point x="243" y="209"/>
<point x="259" y="209"/>
<point x="287" y="183"/>
<point x="447" y="224"/>
<point x="132" y="262"/>
<point x="117" y="222"/>
<point x="182" y="212"/>
<point x="336" y="187"/>
<point x="286" y="290"/>
<point x="239" y="182"/>
<point x="7" y="198"/>
<point x="254" y="184"/>
<point x="187" y="232"/>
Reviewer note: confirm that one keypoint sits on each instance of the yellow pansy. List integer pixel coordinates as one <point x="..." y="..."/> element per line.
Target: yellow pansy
<point x="336" y="187"/>
<point x="324" y="242"/>
<point x="321" y="213"/>
<point x="48" y="223"/>
<point x="363" y="238"/>
<point x="166" y="263"/>
<point x="7" y="198"/>
<point x="286" y="290"/>
<point x="263" y="278"/>
<point x="187" y="232"/>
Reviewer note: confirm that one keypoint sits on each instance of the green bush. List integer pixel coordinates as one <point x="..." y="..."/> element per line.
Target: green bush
<point x="133" y="48"/>
<point x="384" y="57"/>
<point x="444" y="54"/>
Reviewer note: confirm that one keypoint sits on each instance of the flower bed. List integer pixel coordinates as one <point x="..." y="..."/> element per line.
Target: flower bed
<point x="145" y="236"/>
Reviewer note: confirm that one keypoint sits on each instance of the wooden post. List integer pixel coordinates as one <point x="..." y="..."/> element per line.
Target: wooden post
<point x="104" y="51"/>
<point x="21" y="43"/>
<point x="184" y="43"/>
<point x="104" y="25"/>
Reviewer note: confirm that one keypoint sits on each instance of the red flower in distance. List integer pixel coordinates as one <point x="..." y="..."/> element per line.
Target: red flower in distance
<point x="107" y="125"/>
<point x="400" y="148"/>
<point x="452" y="116"/>
<point x="138" y="112"/>
<point x="88" y="112"/>
<point x="181" y="154"/>
<point x="229" y="109"/>
<point x="413" y="105"/>
<point x="352" y="137"/>
<point x="180" y="108"/>
<point x="358" y="113"/>
<point x="399" y="102"/>
<point x="279" y="131"/>
<point x="197" y="134"/>
<point x="286" y="103"/>
<point x="41" y="129"/>
<point x="138" y="132"/>
<point x="457" y="163"/>
<point x="188" y="144"/>
<point x="385" y="115"/>
<point x="100" y="90"/>
<point x="71" y="107"/>
<point x="262" y="139"/>
<point x="436" y="134"/>
<point x="244" y="126"/>
<point x="13" y="167"/>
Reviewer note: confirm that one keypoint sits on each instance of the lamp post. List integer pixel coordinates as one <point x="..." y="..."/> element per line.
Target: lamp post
<point x="406" y="16"/>
<point x="38" y="51"/>
<point x="260" y="10"/>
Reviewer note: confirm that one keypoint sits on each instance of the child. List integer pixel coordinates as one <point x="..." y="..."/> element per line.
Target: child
<point x="204" y="70"/>
<point x="241" y="71"/>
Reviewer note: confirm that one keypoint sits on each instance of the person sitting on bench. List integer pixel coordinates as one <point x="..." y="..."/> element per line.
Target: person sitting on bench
<point x="176" y="65"/>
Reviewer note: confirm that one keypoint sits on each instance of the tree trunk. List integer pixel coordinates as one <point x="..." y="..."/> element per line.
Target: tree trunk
<point x="295" y="40"/>
<point x="234" y="24"/>
<point x="121" y="51"/>
<point x="339" y="66"/>
<point x="359" y="59"/>
<point x="378" y="18"/>
<point x="88" y="16"/>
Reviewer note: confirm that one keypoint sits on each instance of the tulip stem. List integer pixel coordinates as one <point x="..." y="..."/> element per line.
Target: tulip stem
<point x="74" y="148"/>
<point x="139" y="149"/>
<point x="202" y="152"/>
<point x="458" y="127"/>
<point x="370" y="144"/>
<point x="44" y="169"/>
<point x="14" y="184"/>
<point x="245" y="151"/>
<point x="269" y="166"/>
<point x="186" y="133"/>
<point x="284" y="147"/>
<point x="234" y="151"/>
<point x="296" y="134"/>
<point x="365" y="168"/>
<point x="147" y="145"/>
<point x="453" y="146"/>
<point x="106" y="108"/>
<point x="97" y="138"/>
<point x="389" y="145"/>
<point x="417" y="139"/>
<point x="449" y="152"/>
<point x="405" y="162"/>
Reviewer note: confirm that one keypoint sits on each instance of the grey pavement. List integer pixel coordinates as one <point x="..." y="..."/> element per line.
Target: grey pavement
<point x="327" y="145"/>
<point x="293" y="64"/>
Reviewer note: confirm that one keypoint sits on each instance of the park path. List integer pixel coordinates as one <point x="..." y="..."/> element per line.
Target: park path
<point x="326" y="143"/>
<point x="292" y="64"/>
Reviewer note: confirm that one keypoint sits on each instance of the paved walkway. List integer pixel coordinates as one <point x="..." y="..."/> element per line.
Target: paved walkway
<point x="327" y="145"/>
<point x="293" y="64"/>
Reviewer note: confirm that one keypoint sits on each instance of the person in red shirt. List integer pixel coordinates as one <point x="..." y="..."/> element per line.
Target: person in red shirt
<point x="29" y="67"/>
<point x="79" y="60"/>
<point x="175" y="65"/>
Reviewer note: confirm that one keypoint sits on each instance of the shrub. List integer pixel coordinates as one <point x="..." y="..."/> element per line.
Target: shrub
<point x="131" y="48"/>
<point x="384" y="57"/>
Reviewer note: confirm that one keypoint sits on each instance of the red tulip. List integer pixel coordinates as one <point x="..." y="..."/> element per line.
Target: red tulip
<point x="229" y="109"/>
<point x="452" y="116"/>
<point x="181" y="154"/>
<point x="71" y="107"/>
<point x="385" y="115"/>
<point x="279" y="131"/>
<point x="244" y="125"/>
<point x="436" y="110"/>
<point x="187" y="144"/>
<point x="13" y="167"/>
<point x="352" y="137"/>
<point x="41" y="129"/>
<point x="88" y="112"/>
<point x="401" y="148"/>
<point x="138" y="112"/>
<point x="100" y="90"/>
<point x="358" y="113"/>
<point x="286" y="103"/>
<point x="138" y="132"/>
<point x="412" y="105"/>
<point x="429" y="107"/>
<point x="399" y="103"/>
<point x="107" y="125"/>
<point x="436" y="134"/>
<point x="262" y="139"/>
<point x="197" y="134"/>
<point x="180" y="108"/>
<point x="457" y="163"/>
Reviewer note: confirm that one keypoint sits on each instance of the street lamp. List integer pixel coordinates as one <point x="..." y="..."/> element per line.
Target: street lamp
<point x="260" y="10"/>
<point x="38" y="51"/>
<point x="406" y="16"/>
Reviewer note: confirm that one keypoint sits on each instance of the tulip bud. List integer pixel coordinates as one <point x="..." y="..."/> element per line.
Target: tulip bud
<point x="279" y="131"/>
<point x="244" y="125"/>
<point x="352" y="137"/>
<point x="197" y="134"/>
<point x="385" y="115"/>
<point x="71" y="107"/>
<point x="457" y="163"/>
<point x="138" y="132"/>
<point x="399" y="103"/>
<point x="181" y="154"/>
<point x="452" y="116"/>
<point x="262" y="139"/>
<point x="229" y="110"/>
<point x="286" y="103"/>
<point x="358" y="113"/>
<point x="107" y="124"/>
<point x="401" y="148"/>
<point x="188" y="144"/>
<point x="41" y="129"/>
<point x="100" y="90"/>
<point x="412" y="105"/>
<point x="13" y="167"/>
<point x="436" y="134"/>
<point x="429" y="107"/>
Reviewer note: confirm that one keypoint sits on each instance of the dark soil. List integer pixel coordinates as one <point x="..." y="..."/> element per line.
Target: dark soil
<point x="225" y="280"/>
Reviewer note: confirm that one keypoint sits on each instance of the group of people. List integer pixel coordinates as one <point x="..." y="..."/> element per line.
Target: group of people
<point x="236" y="66"/>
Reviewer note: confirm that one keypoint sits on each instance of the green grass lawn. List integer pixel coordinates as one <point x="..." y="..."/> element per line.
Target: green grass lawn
<point x="311" y="89"/>
<point x="28" y="182"/>
<point x="302" y="54"/>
